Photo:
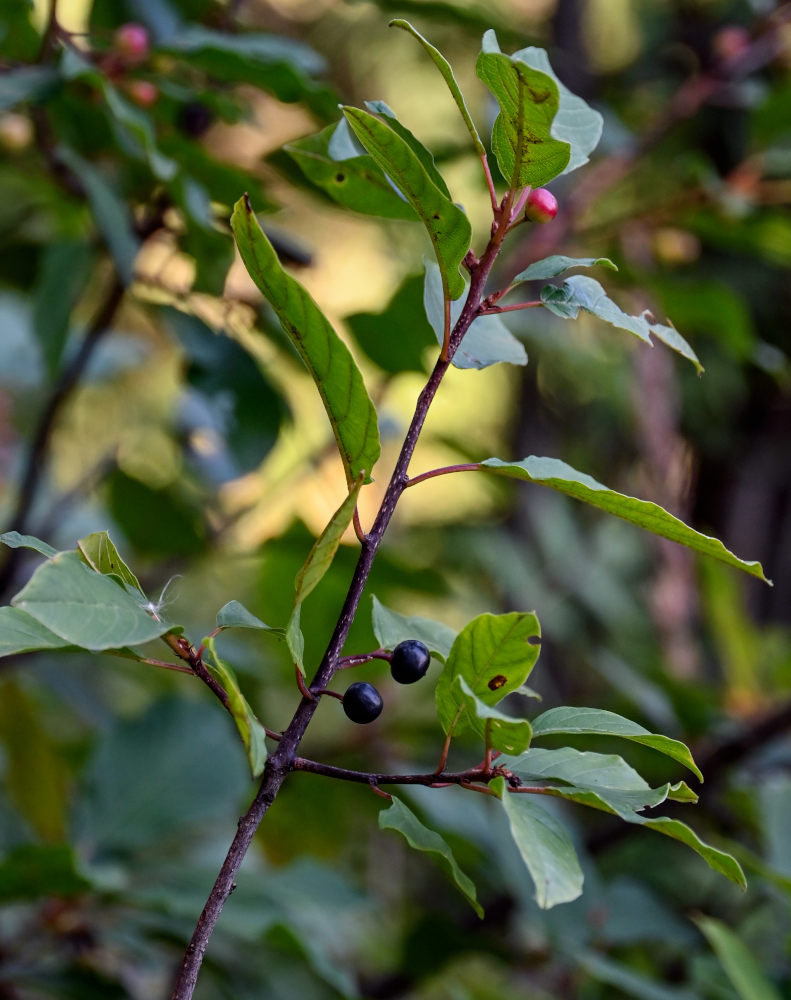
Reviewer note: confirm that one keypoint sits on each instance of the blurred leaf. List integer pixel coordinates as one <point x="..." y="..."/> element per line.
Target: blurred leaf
<point x="390" y="628"/>
<point x="527" y="152"/>
<point x="109" y="212"/>
<point x="36" y="778"/>
<point x="487" y="342"/>
<point x="21" y="633"/>
<point x="15" y="541"/>
<point x="159" y="522"/>
<point x="100" y="554"/>
<point x="444" y="67"/>
<point x="24" y="84"/>
<point x="250" y="729"/>
<point x="500" y="731"/>
<point x="64" y="273"/>
<point x="545" y="848"/>
<point x="36" y="871"/>
<point x="155" y="780"/>
<point x="558" y="476"/>
<point x="326" y="357"/>
<point x="494" y="656"/>
<point x="400" y="818"/>
<point x="447" y="226"/>
<point x="397" y="337"/>
<point x="622" y="978"/>
<point x="85" y="608"/>
<point x="581" y="292"/>
<point x="738" y="961"/>
<point x="551" y="267"/>
<point x="355" y="183"/>
<point x="599" y="722"/>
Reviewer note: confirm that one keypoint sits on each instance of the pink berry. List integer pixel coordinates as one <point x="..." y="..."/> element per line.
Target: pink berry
<point x="144" y="93"/>
<point x="541" y="206"/>
<point x="132" y="42"/>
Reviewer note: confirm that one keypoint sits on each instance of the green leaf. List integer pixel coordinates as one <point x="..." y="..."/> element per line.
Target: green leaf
<point x="383" y="110"/>
<point x="527" y="152"/>
<point x="39" y="871"/>
<point x="625" y="805"/>
<point x="583" y="769"/>
<point x="575" y="123"/>
<point x="447" y="226"/>
<point x="295" y="640"/>
<point x="250" y="729"/>
<point x="65" y="269"/>
<point x="16" y="541"/>
<point x="599" y="722"/>
<point x="487" y="342"/>
<point x="444" y="67"/>
<point x="737" y="960"/>
<point x="400" y="818"/>
<point x="581" y="292"/>
<point x="545" y="847"/>
<point x="326" y="545"/>
<point x="100" y="554"/>
<point x="397" y="337"/>
<point x="356" y="183"/>
<point x="502" y="732"/>
<point x="235" y="615"/>
<point x="559" y="476"/>
<point x="109" y="212"/>
<point x="20" y="633"/>
<point x="84" y="608"/>
<point x="391" y="627"/>
<point x="628" y="982"/>
<point x="329" y="361"/>
<point x="494" y="655"/>
<point x="551" y="267"/>
<point x="24" y="84"/>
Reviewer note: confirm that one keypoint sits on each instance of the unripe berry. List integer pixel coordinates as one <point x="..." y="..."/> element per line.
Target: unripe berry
<point x="132" y="42"/>
<point x="541" y="205"/>
<point x="362" y="703"/>
<point x="410" y="661"/>
<point x="144" y="93"/>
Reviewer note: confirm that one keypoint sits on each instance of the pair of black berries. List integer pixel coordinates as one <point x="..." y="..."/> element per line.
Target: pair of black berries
<point x="409" y="662"/>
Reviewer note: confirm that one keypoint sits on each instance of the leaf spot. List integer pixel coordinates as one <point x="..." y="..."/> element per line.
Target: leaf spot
<point x="497" y="682"/>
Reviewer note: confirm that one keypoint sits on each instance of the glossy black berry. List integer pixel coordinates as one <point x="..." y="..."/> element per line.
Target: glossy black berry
<point x="410" y="661"/>
<point x="362" y="702"/>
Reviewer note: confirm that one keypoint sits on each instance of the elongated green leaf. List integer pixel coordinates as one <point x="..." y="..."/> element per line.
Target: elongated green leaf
<point x="545" y="847"/>
<point x="355" y="182"/>
<point x="599" y="722"/>
<point x="626" y="805"/>
<point x="584" y="769"/>
<point x="447" y="226"/>
<point x="235" y="615"/>
<point x="84" y="608"/>
<point x="746" y="976"/>
<point x="250" y="729"/>
<point x="629" y="982"/>
<point x="559" y="476"/>
<point x="575" y="123"/>
<point x="326" y="545"/>
<point x="24" y="84"/>
<point x="487" y="342"/>
<point x="16" y="541"/>
<point x="100" y="554"/>
<point x="581" y="292"/>
<point x="390" y="628"/>
<point x="340" y="384"/>
<point x="444" y="67"/>
<point x="551" y="267"/>
<point x="20" y="633"/>
<point x="526" y="150"/>
<point x="383" y="110"/>
<point x="400" y="817"/>
<point x="295" y="640"/>
<point x="502" y="732"/>
<point x="494" y="655"/>
<point x="65" y="269"/>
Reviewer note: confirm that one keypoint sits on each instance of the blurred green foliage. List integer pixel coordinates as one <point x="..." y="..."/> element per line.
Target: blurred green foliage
<point x="121" y="784"/>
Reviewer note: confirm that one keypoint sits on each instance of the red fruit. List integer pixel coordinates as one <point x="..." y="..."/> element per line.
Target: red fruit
<point x="144" y="93"/>
<point x="132" y="42"/>
<point x="541" y="205"/>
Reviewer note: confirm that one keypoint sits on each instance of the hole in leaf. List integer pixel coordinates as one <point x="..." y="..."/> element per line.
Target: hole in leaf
<point x="534" y="640"/>
<point x="340" y="178"/>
